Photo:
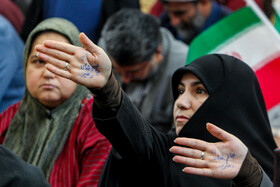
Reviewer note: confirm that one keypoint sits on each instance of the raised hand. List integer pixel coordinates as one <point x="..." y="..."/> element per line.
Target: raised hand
<point x="219" y="160"/>
<point x="89" y="66"/>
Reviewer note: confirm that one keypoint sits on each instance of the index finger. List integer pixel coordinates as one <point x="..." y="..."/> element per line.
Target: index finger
<point x="191" y="142"/>
<point x="61" y="46"/>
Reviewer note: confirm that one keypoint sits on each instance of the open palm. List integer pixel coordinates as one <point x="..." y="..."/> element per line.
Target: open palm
<point x="89" y="66"/>
<point x="219" y="160"/>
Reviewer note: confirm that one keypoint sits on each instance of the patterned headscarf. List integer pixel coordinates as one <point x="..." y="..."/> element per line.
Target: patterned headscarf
<point x="38" y="134"/>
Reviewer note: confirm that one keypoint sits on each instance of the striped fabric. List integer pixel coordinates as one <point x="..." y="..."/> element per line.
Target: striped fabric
<point x="83" y="156"/>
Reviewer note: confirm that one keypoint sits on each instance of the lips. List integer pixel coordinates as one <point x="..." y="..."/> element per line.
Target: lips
<point x="47" y="86"/>
<point x="182" y="118"/>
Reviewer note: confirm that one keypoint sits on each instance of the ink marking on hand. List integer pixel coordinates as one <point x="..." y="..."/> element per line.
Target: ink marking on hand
<point x="83" y="58"/>
<point x="96" y="69"/>
<point x="226" y="158"/>
<point x="88" y="70"/>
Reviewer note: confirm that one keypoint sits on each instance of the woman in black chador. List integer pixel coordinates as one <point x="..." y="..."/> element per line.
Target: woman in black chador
<point x="215" y="88"/>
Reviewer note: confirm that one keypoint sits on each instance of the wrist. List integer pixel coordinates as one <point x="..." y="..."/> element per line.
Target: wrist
<point x="250" y="173"/>
<point x="108" y="96"/>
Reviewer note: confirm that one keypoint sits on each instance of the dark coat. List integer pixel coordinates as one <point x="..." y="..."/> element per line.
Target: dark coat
<point x="15" y="172"/>
<point x="140" y="154"/>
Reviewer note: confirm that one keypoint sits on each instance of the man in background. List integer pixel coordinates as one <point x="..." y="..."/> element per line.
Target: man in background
<point x="187" y="18"/>
<point x="144" y="57"/>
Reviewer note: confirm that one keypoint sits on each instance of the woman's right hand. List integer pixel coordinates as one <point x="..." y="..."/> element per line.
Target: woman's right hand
<point x="89" y="66"/>
<point x="221" y="160"/>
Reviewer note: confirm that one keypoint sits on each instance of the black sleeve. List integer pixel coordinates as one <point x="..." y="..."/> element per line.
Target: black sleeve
<point x="136" y="145"/>
<point x="128" y="132"/>
<point x="123" y="125"/>
<point x="250" y="174"/>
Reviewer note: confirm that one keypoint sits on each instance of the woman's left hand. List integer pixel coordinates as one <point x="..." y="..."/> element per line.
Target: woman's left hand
<point x="221" y="160"/>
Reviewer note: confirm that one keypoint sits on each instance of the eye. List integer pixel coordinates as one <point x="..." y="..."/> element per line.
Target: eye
<point x="37" y="61"/>
<point x="201" y="90"/>
<point x="181" y="91"/>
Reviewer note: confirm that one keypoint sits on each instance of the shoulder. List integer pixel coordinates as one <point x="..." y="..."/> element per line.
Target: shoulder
<point x="174" y="45"/>
<point x="6" y="117"/>
<point x="84" y="117"/>
<point x="4" y="23"/>
<point x="11" y="45"/>
<point x="174" y="51"/>
<point x="10" y="111"/>
<point x="8" y="32"/>
<point x="87" y="130"/>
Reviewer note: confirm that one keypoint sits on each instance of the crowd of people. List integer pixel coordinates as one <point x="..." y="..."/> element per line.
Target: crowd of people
<point x="98" y="93"/>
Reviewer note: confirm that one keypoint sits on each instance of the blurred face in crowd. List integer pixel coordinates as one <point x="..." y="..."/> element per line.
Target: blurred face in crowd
<point x="185" y="14"/>
<point x="50" y="90"/>
<point x="192" y="94"/>
<point x="139" y="71"/>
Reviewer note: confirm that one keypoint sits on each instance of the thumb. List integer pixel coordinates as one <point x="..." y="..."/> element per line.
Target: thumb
<point x="218" y="132"/>
<point x="88" y="44"/>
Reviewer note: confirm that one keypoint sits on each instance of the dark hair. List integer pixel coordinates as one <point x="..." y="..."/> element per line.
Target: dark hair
<point x="131" y="37"/>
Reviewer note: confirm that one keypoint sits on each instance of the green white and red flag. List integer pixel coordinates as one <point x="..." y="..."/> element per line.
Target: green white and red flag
<point x="245" y="35"/>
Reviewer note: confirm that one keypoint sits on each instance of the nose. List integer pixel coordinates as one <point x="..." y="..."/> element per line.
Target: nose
<point x="47" y="74"/>
<point x="174" y="20"/>
<point x="183" y="102"/>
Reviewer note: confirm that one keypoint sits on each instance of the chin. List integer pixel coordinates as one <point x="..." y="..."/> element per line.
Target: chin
<point x="178" y="130"/>
<point x="50" y="102"/>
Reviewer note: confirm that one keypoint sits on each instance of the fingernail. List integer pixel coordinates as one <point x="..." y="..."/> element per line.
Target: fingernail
<point x="37" y="54"/>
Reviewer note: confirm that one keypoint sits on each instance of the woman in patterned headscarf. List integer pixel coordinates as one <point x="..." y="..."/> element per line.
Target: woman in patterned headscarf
<point x="52" y="126"/>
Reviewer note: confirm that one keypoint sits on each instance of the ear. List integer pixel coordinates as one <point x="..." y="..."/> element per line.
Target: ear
<point x="158" y="54"/>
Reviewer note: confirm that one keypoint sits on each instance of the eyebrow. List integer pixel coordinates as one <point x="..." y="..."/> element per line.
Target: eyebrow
<point x="196" y="83"/>
<point x="34" y="56"/>
<point x="192" y="84"/>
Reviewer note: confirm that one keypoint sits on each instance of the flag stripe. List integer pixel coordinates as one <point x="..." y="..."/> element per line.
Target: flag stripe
<point x="250" y="40"/>
<point x="269" y="80"/>
<point x="245" y="17"/>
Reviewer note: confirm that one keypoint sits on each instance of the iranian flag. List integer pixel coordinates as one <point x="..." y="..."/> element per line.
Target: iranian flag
<point x="246" y="36"/>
